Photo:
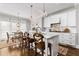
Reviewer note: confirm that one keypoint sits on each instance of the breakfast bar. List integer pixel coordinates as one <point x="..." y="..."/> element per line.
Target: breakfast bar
<point x="53" y="39"/>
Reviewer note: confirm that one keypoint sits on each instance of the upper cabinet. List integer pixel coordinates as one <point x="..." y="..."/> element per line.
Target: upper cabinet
<point x="67" y="18"/>
<point x="72" y="18"/>
<point x="63" y="19"/>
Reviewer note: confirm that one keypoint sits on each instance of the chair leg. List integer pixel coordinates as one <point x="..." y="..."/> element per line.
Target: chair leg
<point x="31" y="45"/>
<point x="28" y="45"/>
<point x="42" y="52"/>
<point x="35" y="51"/>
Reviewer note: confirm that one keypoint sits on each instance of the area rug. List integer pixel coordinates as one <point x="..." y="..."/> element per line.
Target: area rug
<point x="67" y="50"/>
<point x="62" y="50"/>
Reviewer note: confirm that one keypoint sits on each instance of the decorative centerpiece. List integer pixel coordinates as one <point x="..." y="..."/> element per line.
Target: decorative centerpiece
<point x="66" y="29"/>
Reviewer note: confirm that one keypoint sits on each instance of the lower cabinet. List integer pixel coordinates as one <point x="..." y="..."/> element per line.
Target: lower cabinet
<point x="67" y="38"/>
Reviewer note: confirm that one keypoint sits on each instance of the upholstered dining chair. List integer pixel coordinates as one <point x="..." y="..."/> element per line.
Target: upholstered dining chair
<point x="7" y="37"/>
<point x="29" y="40"/>
<point x="40" y="44"/>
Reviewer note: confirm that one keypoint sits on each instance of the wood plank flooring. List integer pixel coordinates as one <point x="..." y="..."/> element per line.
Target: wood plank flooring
<point x="17" y="52"/>
<point x="26" y="52"/>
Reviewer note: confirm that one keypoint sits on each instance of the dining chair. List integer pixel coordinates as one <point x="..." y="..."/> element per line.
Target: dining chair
<point x="28" y="40"/>
<point x="7" y="37"/>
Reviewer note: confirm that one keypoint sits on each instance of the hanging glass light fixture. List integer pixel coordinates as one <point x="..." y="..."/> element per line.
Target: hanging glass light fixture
<point x="44" y="10"/>
<point x="31" y="11"/>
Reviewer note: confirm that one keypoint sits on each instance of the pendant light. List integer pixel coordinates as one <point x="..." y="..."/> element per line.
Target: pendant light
<point x="44" y="10"/>
<point x="31" y="11"/>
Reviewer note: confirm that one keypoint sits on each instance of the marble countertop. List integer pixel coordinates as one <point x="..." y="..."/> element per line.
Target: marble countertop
<point x="49" y="35"/>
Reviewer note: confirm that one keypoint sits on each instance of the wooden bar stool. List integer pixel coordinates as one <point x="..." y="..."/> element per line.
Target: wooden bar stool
<point x="40" y="44"/>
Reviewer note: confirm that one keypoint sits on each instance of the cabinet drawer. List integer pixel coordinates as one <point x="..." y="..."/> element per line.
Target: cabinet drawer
<point x="67" y="38"/>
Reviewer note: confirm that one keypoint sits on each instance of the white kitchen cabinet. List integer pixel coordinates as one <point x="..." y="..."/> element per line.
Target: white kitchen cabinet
<point x="71" y="18"/>
<point x="63" y="19"/>
<point x="67" y="38"/>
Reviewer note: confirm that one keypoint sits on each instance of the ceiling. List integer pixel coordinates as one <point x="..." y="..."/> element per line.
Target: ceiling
<point x="24" y="9"/>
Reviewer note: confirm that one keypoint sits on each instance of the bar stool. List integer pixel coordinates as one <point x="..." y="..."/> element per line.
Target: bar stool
<point x="40" y="44"/>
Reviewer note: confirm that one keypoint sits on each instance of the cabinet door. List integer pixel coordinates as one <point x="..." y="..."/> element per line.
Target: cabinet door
<point x="71" y="39"/>
<point x="62" y="38"/>
<point x="68" y="18"/>
<point x="71" y="18"/>
<point x="64" y="19"/>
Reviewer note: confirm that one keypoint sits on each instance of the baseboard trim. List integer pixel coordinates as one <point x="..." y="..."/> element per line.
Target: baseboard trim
<point x="66" y="45"/>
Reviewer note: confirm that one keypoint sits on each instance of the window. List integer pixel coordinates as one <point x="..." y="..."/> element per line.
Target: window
<point x="9" y="26"/>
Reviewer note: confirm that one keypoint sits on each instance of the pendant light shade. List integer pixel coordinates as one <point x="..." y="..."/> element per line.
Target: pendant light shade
<point x="31" y="12"/>
<point x="44" y="10"/>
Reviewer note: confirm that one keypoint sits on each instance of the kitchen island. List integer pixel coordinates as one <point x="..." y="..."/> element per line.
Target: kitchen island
<point x="53" y="39"/>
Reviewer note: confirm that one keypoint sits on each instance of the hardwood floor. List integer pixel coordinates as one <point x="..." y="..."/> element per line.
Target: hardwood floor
<point x="6" y="50"/>
<point x="26" y="52"/>
<point x="17" y="52"/>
